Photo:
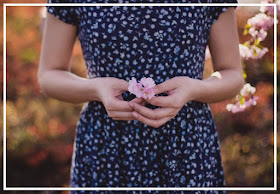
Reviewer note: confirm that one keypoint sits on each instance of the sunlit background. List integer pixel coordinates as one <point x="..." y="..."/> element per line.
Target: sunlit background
<point x="40" y="130"/>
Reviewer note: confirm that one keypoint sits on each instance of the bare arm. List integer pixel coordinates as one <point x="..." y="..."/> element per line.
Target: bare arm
<point x="54" y="75"/>
<point x="58" y="82"/>
<point x="227" y="79"/>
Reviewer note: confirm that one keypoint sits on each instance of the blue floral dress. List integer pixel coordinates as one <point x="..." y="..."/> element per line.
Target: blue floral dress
<point x="160" y="42"/>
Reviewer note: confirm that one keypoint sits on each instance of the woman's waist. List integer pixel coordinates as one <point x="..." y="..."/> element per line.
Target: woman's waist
<point x="159" y="72"/>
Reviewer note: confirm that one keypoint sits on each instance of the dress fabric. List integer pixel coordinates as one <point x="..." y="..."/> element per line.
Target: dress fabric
<point x="160" y="42"/>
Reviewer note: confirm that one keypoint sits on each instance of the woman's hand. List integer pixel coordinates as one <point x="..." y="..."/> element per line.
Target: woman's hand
<point x="109" y="92"/>
<point x="180" y="90"/>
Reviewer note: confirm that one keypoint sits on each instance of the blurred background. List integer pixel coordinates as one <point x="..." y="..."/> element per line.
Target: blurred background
<point x="40" y="130"/>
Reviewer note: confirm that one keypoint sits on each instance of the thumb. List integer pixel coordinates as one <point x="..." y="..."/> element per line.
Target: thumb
<point x="165" y="86"/>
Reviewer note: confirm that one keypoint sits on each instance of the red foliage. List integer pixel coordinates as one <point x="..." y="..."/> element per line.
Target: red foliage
<point x="36" y="157"/>
<point x="61" y="152"/>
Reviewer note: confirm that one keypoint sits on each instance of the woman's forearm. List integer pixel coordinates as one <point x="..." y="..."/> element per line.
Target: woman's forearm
<point x="221" y="85"/>
<point x="66" y="86"/>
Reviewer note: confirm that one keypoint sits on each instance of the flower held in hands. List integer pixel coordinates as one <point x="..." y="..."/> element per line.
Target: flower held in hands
<point x="145" y="88"/>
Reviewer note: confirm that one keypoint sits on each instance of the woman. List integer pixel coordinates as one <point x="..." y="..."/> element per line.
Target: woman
<point x="169" y="140"/>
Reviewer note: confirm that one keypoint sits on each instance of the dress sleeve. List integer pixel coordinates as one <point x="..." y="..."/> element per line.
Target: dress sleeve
<point x="67" y="14"/>
<point x="215" y="11"/>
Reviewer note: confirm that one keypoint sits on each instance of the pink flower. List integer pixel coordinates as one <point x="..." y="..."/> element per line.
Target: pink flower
<point x="148" y="93"/>
<point x="240" y="100"/>
<point x="132" y="84"/>
<point x="253" y="52"/>
<point x="147" y="82"/>
<point x="261" y="21"/>
<point x="269" y="10"/>
<point x="247" y="90"/>
<point x="258" y="52"/>
<point x="251" y="101"/>
<point x="260" y="34"/>
<point x="135" y="88"/>
<point x="245" y="52"/>
<point x="235" y="108"/>
<point x="143" y="89"/>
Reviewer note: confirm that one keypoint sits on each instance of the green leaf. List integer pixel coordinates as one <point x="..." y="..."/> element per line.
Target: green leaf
<point x="242" y="100"/>
<point x="247" y="43"/>
<point x="257" y="42"/>
<point x="259" y="46"/>
<point x="248" y="26"/>
<point x="244" y="74"/>
<point x="255" y="52"/>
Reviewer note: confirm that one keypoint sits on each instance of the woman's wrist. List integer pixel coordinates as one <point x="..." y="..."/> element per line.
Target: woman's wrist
<point x="93" y="88"/>
<point x="194" y="88"/>
<point x="219" y="86"/>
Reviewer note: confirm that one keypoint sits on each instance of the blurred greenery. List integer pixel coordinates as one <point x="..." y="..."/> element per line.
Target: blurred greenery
<point x="40" y="130"/>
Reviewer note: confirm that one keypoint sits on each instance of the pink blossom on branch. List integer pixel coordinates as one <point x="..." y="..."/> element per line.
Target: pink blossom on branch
<point x="261" y="21"/>
<point x="257" y="27"/>
<point x="247" y="90"/>
<point x="244" y="100"/>
<point x="251" y="52"/>
<point x="235" y="108"/>
<point x="260" y="34"/>
<point x="258" y="52"/>
<point x="252" y="101"/>
<point x="239" y="107"/>
<point x="245" y="52"/>
<point x="269" y="10"/>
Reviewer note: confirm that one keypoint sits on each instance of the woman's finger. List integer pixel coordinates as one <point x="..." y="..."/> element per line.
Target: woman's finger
<point x="165" y="86"/>
<point x="118" y="105"/>
<point x="143" y="103"/>
<point x="150" y="122"/>
<point x="119" y="114"/>
<point x="165" y="101"/>
<point x="124" y="119"/>
<point x="140" y="101"/>
<point x="153" y="114"/>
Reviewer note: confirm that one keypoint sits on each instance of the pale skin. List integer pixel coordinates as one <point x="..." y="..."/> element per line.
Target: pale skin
<point x="58" y="82"/>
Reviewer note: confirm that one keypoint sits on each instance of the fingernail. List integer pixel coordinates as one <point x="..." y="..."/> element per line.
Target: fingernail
<point x="131" y="104"/>
<point x="135" y="114"/>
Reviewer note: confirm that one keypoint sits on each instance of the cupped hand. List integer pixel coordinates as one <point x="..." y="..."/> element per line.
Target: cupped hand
<point x="109" y="92"/>
<point x="179" y="91"/>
